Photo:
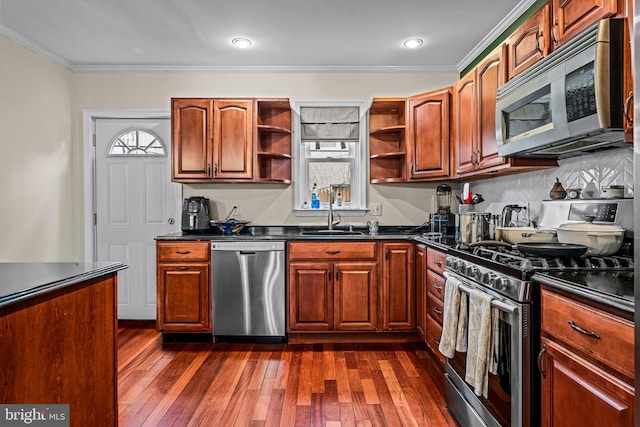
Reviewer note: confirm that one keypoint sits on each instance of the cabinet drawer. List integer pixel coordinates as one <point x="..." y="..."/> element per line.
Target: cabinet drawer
<point x="614" y="347"/>
<point x="435" y="284"/>
<point x="435" y="260"/>
<point x="434" y="332"/>
<point x="332" y="250"/>
<point x="183" y="251"/>
<point x="434" y="308"/>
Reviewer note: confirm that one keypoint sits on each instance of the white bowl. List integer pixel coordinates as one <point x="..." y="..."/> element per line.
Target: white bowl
<point x="601" y="239"/>
<point x="515" y="235"/>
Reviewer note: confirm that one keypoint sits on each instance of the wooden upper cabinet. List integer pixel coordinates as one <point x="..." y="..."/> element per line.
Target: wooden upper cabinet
<point x="529" y="43"/>
<point x="192" y="139"/>
<point x="570" y="17"/>
<point x="233" y="139"/>
<point x="489" y="77"/>
<point x="428" y="142"/>
<point x="474" y="142"/>
<point x="464" y="124"/>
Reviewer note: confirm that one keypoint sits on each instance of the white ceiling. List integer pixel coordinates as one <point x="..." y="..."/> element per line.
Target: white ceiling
<point x="335" y="35"/>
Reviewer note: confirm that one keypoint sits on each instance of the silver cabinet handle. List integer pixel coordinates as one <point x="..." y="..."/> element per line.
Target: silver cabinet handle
<point x="583" y="331"/>
<point x="438" y="262"/>
<point x="183" y="268"/>
<point x="543" y="350"/>
<point x="183" y="252"/>
<point x="437" y="310"/>
<point x="439" y="288"/>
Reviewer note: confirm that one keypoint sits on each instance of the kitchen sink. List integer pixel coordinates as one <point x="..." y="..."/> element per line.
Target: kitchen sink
<point x="332" y="233"/>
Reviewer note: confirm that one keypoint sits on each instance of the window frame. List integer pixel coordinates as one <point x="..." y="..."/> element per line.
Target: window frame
<point x="360" y="169"/>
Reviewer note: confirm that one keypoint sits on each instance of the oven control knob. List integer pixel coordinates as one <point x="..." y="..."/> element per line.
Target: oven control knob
<point x="487" y="278"/>
<point x="501" y="283"/>
<point x="471" y="271"/>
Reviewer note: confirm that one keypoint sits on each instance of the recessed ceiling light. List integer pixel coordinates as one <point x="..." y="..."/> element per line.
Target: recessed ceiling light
<point x="412" y="43"/>
<point x="241" y="43"/>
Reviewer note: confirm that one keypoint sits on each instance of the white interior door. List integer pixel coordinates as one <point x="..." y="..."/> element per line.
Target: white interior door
<point x="135" y="202"/>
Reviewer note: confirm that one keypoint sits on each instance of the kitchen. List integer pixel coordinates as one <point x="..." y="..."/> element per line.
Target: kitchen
<point x="59" y="96"/>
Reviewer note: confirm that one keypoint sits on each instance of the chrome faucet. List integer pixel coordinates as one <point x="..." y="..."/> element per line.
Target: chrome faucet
<point x="330" y="222"/>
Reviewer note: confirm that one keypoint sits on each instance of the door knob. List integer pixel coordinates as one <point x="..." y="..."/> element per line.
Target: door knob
<point x="171" y="221"/>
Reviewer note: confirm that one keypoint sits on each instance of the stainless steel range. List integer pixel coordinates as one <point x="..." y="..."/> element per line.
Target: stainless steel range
<point x="510" y="278"/>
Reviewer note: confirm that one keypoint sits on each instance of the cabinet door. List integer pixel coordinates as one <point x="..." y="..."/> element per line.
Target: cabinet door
<point x="429" y="135"/>
<point x="191" y="145"/>
<point x="576" y="393"/>
<point x="529" y="43"/>
<point x="489" y="77"/>
<point x="570" y="17"/>
<point x="421" y="290"/>
<point x="355" y="296"/>
<point x="398" y="287"/>
<point x="464" y="126"/>
<point x="233" y="139"/>
<point x="184" y="297"/>
<point x="310" y="296"/>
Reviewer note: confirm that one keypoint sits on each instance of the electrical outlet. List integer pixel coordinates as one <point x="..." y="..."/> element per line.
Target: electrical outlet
<point x="375" y="209"/>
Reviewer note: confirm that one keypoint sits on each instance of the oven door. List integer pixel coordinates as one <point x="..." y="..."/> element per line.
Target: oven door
<point x="508" y="401"/>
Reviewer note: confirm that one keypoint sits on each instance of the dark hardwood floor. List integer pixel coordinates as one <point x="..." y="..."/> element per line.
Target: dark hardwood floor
<point x="198" y="384"/>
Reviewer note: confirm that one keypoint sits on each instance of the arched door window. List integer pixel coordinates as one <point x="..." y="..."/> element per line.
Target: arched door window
<point x="137" y="142"/>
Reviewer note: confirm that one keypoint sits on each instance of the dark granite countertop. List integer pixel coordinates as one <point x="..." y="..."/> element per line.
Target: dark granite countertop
<point x="411" y="233"/>
<point x="22" y="281"/>
<point x="300" y="233"/>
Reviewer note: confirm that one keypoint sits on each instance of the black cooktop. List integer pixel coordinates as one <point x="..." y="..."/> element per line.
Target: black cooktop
<point x="619" y="284"/>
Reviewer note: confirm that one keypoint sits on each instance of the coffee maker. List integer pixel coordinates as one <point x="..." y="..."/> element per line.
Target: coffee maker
<point x="443" y="221"/>
<point x="195" y="214"/>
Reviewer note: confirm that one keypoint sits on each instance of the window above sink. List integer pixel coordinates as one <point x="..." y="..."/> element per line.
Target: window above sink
<point x="330" y="150"/>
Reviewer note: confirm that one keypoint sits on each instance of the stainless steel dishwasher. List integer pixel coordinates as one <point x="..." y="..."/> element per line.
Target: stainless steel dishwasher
<point x="248" y="282"/>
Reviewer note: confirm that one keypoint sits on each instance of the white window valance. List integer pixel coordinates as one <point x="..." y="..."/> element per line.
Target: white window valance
<point x="330" y="124"/>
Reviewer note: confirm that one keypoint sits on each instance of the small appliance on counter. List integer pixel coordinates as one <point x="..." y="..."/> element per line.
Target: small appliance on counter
<point x="195" y="214"/>
<point x="443" y="221"/>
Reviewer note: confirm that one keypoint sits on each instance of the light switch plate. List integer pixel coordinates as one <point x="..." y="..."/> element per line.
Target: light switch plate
<point x="375" y="209"/>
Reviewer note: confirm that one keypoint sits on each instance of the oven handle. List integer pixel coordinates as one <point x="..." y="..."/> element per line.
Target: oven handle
<point x="495" y="303"/>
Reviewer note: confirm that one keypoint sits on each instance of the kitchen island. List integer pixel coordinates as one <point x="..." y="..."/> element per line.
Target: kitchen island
<point x="58" y="325"/>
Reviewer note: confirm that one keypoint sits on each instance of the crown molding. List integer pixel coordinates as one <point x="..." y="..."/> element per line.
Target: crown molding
<point x="18" y="38"/>
<point x="516" y="13"/>
<point x="260" y="69"/>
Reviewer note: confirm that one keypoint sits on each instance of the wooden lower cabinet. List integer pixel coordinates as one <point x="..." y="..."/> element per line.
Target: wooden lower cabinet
<point x="575" y="392"/>
<point x="585" y="363"/>
<point x="434" y="301"/>
<point x="338" y="296"/>
<point x="355" y="296"/>
<point x="183" y="287"/>
<point x="310" y="296"/>
<point x="398" y="287"/>
<point x="421" y="290"/>
<point x="333" y="286"/>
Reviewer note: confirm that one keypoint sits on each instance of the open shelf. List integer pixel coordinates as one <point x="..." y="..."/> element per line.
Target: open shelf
<point x="273" y="140"/>
<point x="387" y="146"/>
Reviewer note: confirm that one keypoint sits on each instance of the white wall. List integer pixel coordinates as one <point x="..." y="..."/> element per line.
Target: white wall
<point x="38" y="221"/>
<point x="265" y="204"/>
<point x="42" y="144"/>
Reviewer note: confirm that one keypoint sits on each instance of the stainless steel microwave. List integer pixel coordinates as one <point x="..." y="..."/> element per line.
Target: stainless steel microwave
<point x="570" y="102"/>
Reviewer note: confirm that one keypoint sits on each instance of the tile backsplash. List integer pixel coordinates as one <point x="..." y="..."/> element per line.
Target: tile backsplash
<point x="604" y="168"/>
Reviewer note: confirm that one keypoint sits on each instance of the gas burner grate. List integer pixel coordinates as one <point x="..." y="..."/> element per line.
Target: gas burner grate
<point x="515" y="259"/>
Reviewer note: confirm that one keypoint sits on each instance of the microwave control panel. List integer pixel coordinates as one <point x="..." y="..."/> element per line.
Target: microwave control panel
<point x="580" y="92"/>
